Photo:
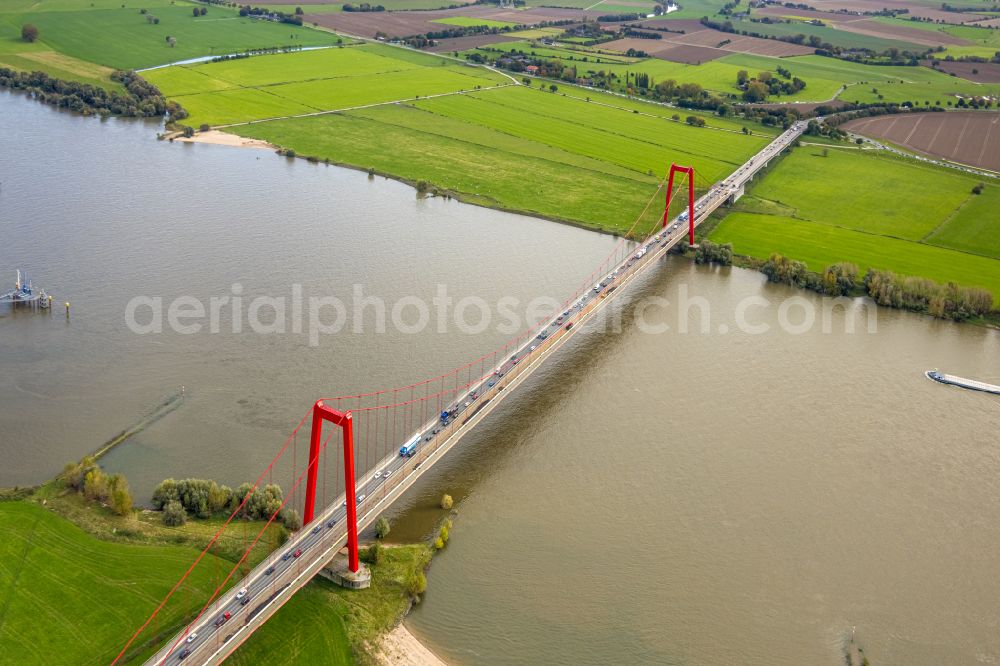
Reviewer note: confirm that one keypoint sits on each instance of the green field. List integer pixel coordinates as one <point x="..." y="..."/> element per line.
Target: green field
<point x="825" y="77"/>
<point x="482" y="144"/>
<point x="974" y="229"/>
<point x="124" y="39"/>
<point x="297" y="83"/>
<point x="821" y="245"/>
<point x="842" y="38"/>
<point x="822" y="210"/>
<point x="68" y="597"/>
<point x="467" y="22"/>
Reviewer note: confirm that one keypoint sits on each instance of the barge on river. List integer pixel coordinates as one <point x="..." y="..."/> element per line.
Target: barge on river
<point x="962" y="382"/>
<point x="24" y="292"/>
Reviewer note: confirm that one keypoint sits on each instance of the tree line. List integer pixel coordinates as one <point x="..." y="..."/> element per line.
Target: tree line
<point x="907" y="292"/>
<point x="141" y="98"/>
<point x="202" y="498"/>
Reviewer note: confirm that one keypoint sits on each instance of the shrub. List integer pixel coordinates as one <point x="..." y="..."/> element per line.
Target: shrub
<point x="382" y="528"/>
<point x="444" y="535"/>
<point x="422" y="186"/>
<point x="713" y="253"/>
<point x="120" y="496"/>
<point x="29" y="32"/>
<point x="439" y="543"/>
<point x="840" y="279"/>
<point x="372" y="554"/>
<point x="978" y="189"/>
<point x="291" y="519"/>
<point x="174" y="514"/>
<point x="446" y="501"/>
<point x="205" y="127"/>
<point x="95" y="485"/>
<point x="417" y="584"/>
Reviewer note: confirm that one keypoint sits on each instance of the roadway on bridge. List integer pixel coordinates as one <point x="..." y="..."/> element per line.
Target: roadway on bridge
<point x="281" y="574"/>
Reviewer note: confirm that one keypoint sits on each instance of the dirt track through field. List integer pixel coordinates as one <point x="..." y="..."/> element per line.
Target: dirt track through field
<point x="966" y="137"/>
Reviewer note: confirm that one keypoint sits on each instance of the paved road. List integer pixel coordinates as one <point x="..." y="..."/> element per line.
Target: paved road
<point x="272" y="582"/>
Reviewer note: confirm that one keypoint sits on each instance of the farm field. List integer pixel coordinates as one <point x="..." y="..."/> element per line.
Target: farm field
<point x="967" y="137"/>
<point x="976" y="227"/>
<point x="85" y="593"/>
<point x="848" y="189"/>
<point x="124" y="39"/>
<point x="821" y="245"/>
<point x="826" y="78"/>
<point x="841" y="38"/>
<point x="482" y="144"/>
<point x="271" y="86"/>
<point x="466" y="21"/>
<point x="835" y="208"/>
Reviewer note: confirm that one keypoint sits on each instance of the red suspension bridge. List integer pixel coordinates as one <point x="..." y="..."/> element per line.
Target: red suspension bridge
<point x="392" y="436"/>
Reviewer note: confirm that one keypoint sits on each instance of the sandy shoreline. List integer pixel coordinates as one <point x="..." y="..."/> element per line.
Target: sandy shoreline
<point x="219" y="138"/>
<point x="401" y="648"/>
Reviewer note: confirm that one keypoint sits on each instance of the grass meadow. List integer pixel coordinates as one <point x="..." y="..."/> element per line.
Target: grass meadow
<point x="822" y="210"/>
<point x="246" y="89"/>
<point x="820" y="245"/>
<point x="72" y="598"/>
<point x="468" y="22"/>
<point x="123" y="38"/>
<point x="482" y="144"/>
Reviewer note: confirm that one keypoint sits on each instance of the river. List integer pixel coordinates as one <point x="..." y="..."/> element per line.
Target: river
<point x="716" y="497"/>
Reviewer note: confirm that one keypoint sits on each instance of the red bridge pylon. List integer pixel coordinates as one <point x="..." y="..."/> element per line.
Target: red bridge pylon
<point x="670" y="190"/>
<point x="345" y="421"/>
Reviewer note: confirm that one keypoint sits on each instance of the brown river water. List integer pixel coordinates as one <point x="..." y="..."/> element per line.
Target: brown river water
<point x="720" y="496"/>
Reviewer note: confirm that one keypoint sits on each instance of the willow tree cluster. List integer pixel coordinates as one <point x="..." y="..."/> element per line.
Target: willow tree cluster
<point x="202" y="498"/>
<point x="140" y="99"/>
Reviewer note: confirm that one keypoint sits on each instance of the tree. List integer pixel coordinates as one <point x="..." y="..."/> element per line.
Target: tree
<point x="859" y="141"/>
<point x="755" y="92"/>
<point x="95" y="485"/>
<point x="382" y="528"/>
<point x="439" y="543"/>
<point x="204" y="10"/>
<point x="165" y="493"/>
<point x="742" y="77"/>
<point x="121" y="496"/>
<point x="29" y="32"/>
<point x="298" y="11"/>
<point x="446" y="502"/>
<point x="373" y="553"/>
<point x="172" y="42"/>
<point x="444" y="535"/>
<point x="526" y="81"/>
<point x="219" y="497"/>
<point x="196" y="11"/>
<point x="978" y="189"/>
<point x="174" y="514"/>
<point x="553" y="87"/>
<point x="292" y="520"/>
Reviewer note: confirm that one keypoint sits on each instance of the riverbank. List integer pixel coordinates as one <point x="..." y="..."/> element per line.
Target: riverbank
<point x="220" y="138"/>
<point x="399" y="647"/>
